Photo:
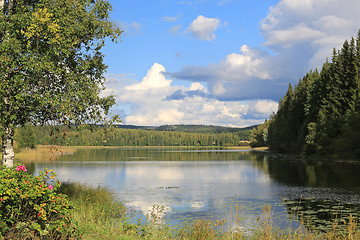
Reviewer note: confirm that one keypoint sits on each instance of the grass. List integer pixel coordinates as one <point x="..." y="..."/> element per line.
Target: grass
<point x="43" y="153"/>
<point x="98" y="214"/>
<point x="101" y="216"/>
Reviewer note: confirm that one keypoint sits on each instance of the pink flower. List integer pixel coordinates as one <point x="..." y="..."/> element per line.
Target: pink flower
<point x="50" y="187"/>
<point x="22" y="167"/>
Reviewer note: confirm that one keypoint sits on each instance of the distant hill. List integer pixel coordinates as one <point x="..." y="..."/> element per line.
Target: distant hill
<point x="190" y="128"/>
<point x="135" y="127"/>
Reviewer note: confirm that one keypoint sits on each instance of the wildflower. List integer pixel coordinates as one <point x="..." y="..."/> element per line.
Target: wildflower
<point x="1" y="199"/>
<point x="50" y="187"/>
<point x="22" y="167"/>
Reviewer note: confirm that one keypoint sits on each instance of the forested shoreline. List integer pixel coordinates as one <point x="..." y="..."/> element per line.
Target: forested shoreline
<point x="321" y="114"/>
<point x="29" y="136"/>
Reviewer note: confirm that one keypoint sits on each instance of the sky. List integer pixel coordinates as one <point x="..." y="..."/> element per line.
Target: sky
<point x="218" y="62"/>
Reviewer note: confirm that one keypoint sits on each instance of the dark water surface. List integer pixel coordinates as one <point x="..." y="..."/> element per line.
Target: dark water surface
<point x="209" y="183"/>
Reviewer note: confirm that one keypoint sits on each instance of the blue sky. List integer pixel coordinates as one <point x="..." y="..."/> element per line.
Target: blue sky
<point x="218" y="62"/>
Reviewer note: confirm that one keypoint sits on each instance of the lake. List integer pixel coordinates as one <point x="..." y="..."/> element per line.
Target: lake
<point x="210" y="183"/>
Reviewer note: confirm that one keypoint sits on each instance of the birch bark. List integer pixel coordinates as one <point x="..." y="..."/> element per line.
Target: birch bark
<point x="8" y="148"/>
<point x="8" y="135"/>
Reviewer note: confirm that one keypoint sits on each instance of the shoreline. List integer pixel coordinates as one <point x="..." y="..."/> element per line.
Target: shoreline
<point x="46" y="153"/>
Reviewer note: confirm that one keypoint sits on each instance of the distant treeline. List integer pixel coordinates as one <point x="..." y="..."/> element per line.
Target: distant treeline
<point x="322" y="113"/>
<point x="174" y="135"/>
<point x="193" y="128"/>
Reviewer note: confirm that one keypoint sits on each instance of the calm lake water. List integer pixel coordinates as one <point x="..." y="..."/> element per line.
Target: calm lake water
<point x="209" y="183"/>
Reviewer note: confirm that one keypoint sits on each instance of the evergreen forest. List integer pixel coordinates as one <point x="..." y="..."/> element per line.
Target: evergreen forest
<point x="29" y="136"/>
<point x="321" y="114"/>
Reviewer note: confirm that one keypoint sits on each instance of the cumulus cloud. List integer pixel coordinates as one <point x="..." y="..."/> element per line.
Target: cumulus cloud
<point x="298" y="36"/>
<point x="319" y="25"/>
<point x="153" y="79"/>
<point x="156" y="101"/>
<point x="294" y="35"/>
<point x="203" y="28"/>
<point x="240" y="76"/>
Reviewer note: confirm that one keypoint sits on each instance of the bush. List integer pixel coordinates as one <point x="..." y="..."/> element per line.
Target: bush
<point x="30" y="206"/>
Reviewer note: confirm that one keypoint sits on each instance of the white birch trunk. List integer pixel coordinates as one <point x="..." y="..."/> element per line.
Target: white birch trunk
<point x="2" y="4"/>
<point x="8" y="137"/>
<point x="8" y="148"/>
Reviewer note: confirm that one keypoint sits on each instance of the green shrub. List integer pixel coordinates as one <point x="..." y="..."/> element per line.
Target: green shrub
<point x="30" y="206"/>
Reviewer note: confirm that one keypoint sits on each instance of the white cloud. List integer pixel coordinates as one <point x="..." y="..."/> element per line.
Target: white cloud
<point x="154" y="101"/>
<point x="240" y="76"/>
<point x="308" y="22"/>
<point x="296" y="34"/>
<point x="153" y="79"/>
<point x="197" y="87"/>
<point x="248" y="62"/>
<point x="203" y="28"/>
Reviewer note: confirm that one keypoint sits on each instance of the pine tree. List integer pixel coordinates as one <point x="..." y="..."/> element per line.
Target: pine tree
<point x="322" y="113"/>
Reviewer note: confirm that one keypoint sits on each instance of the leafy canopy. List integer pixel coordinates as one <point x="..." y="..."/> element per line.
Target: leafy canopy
<point x="51" y="62"/>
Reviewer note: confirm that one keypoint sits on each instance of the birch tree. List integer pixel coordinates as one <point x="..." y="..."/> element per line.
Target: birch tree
<point x="51" y="64"/>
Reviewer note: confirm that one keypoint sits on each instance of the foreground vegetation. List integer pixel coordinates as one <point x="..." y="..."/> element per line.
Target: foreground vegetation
<point x="32" y="208"/>
<point x="101" y="216"/>
<point x="322" y="113"/>
<point x="76" y="211"/>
